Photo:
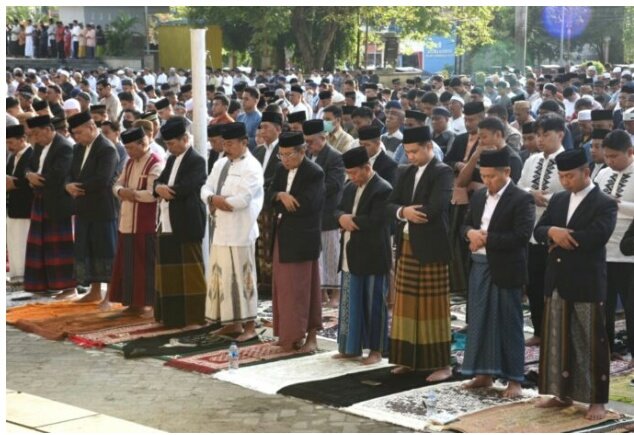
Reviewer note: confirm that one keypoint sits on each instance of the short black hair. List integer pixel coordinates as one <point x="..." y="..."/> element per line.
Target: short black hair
<point x="222" y="98"/>
<point x="618" y="140"/>
<point x="335" y="110"/>
<point x="363" y="112"/>
<point x="253" y="92"/>
<point x="114" y="125"/>
<point x="429" y="98"/>
<point x="499" y="111"/>
<point x="550" y="122"/>
<point x="492" y="124"/>
<point x="234" y="105"/>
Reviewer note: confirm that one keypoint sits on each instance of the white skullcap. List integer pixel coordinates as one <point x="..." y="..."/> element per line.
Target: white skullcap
<point x="617" y="69"/>
<point x="458" y="99"/>
<point x="584" y="115"/>
<point x="628" y="115"/>
<point x="71" y="104"/>
<point x="63" y="72"/>
<point x="189" y="105"/>
<point x="338" y="98"/>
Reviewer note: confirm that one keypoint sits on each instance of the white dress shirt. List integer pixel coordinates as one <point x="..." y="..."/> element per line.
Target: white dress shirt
<point x="45" y="151"/>
<point x="17" y="158"/>
<point x="291" y="177"/>
<point x="166" y="225"/>
<point x="346" y="234"/>
<point x="417" y="177"/>
<point x="268" y="152"/>
<point x="575" y="200"/>
<point x="489" y="208"/>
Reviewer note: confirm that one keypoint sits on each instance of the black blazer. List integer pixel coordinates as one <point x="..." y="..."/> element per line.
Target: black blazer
<point x="579" y="275"/>
<point x="19" y="201"/>
<point x="331" y="162"/>
<point x="273" y="162"/>
<point x="56" y="202"/>
<point x="430" y="241"/>
<point x="627" y="242"/>
<point x="458" y="149"/>
<point x="369" y="249"/>
<point x="212" y="158"/>
<point x="508" y="233"/>
<point x="298" y="232"/>
<point x="97" y="178"/>
<point x="187" y="211"/>
<point x="385" y="166"/>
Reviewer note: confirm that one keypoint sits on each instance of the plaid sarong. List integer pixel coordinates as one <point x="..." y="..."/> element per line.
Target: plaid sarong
<point x="180" y="282"/>
<point x="421" y="325"/>
<point x="264" y="252"/>
<point x="49" y="252"/>
<point x="575" y="357"/>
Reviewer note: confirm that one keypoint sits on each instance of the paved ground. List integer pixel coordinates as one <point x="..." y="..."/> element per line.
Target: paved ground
<point x="145" y="392"/>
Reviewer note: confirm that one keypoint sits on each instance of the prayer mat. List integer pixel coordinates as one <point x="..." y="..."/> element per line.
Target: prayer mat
<point x="107" y="337"/>
<point x="39" y="311"/>
<point x="271" y="377"/>
<point x="58" y="328"/>
<point x="617" y="367"/>
<point x="427" y="408"/>
<point x="622" y="389"/>
<point x="531" y="355"/>
<point x="184" y="343"/>
<point x="347" y="390"/>
<point x="213" y="362"/>
<point x="526" y="417"/>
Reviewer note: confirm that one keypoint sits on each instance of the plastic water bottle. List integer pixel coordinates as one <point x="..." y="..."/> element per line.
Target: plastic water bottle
<point x="430" y="403"/>
<point x="234" y="356"/>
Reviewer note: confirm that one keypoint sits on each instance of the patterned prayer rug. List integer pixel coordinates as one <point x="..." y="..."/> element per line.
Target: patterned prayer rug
<point x="99" y="339"/>
<point x="531" y="355"/>
<point x="526" y="417"/>
<point x="428" y="408"/>
<point x="212" y="362"/>
<point x="39" y="311"/>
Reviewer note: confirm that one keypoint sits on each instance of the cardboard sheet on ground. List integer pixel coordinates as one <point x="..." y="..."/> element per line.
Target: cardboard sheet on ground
<point x="271" y="377"/>
<point x="621" y="388"/>
<point x="111" y="336"/>
<point x="38" y="311"/>
<point x="448" y="402"/>
<point x="526" y="417"/>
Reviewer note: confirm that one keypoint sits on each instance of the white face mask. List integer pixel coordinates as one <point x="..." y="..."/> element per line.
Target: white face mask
<point x="329" y="126"/>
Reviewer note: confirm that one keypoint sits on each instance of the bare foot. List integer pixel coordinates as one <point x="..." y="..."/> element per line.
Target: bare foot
<point x="246" y="335"/>
<point x="344" y="356"/>
<point x="478" y="382"/>
<point x="373" y="358"/>
<point x="94" y="295"/>
<point x="228" y="329"/>
<point x="533" y="341"/>
<point x="596" y="411"/>
<point x="400" y="370"/>
<point x="440" y="375"/>
<point x="283" y="348"/>
<point x="553" y="402"/>
<point x="513" y="390"/>
<point x="65" y="295"/>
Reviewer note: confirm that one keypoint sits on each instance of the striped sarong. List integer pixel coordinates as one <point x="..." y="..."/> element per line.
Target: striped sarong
<point x="132" y="281"/>
<point x="180" y="282"/>
<point x="232" y="294"/>
<point x="495" y="337"/>
<point x="574" y="361"/>
<point x="421" y="321"/>
<point x="363" y="314"/>
<point x="95" y="246"/>
<point x="49" y="252"/>
<point x="329" y="259"/>
<point x="264" y="251"/>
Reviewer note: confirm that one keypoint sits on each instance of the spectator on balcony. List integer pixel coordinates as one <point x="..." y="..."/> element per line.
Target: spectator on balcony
<point x="101" y="41"/>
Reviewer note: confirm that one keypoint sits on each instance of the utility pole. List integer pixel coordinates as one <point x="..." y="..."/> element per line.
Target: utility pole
<point x="521" y="19"/>
<point x="561" y="36"/>
<point x="367" y="29"/>
<point x="358" y="64"/>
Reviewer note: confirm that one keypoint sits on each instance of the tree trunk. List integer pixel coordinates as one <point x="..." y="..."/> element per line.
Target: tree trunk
<point x="313" y="50"/>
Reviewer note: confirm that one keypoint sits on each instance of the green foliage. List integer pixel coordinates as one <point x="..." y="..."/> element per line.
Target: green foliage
<point x="628" y="35"/>
<point x="597" y="64"/>
<point x="120" y="34"/>
<point x="23" y="13"/>
<point x="480" y="78"/>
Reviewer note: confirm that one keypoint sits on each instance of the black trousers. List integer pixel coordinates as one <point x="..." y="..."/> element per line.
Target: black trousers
<point x="537" y="258"/>
<point x="60" y="50"/>
<point x="620" y="276"/>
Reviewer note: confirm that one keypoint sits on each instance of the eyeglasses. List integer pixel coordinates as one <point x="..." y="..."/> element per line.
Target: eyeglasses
<point x="286" y="156"/>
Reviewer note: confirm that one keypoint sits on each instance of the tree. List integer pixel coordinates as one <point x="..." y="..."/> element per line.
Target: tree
<point x="119" y="34"/>
<point x="23" y="13"/>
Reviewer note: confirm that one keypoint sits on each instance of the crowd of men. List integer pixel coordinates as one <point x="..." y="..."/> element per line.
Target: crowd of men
<point x="379" y="200"/>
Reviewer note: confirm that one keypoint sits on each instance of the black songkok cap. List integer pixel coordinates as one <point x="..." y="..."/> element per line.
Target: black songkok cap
<point x="239" y="87"/>
<point x="528" y="128"/>
<point x="186" y="88"/>
<point x="297" y="89"/>
<point x="518" y="97"/>
<point x="313" y="126"/>
<point x="148" y="88"/>
<point x="291" y="139"/>
<point x="369" y="132"/>
<point x="325" y="95"/>
<point x="273" y="117"/>
<point x="601" y="115"/>
<point x="234" y="130"/>
<point x="214" y="130"/>
<point x="350" y="94"/>
<point x="571" y="159"/>
<point x="132" y="135"/>
<point x="78" y="119"/>
<point x="15" y="131"/>
<point x="126" y="82"/>
<point x="455" y="82"/>
<point x="417" y="134"/>
<point x="599" y="133"/>
<point x="473" y="107"/>
<point x="396" y="81"/>
<point x="346" y="110"/>
<point x="12" y="102"/>
<point x="162" y="103"/>
<point x="355" y="157"/>
<point x="440" y="111"/>
<point x="59" y="122"/>
<point x="150" y="115"/>
<point x="97" y="108"/>
<point x="174" y="128"/>
<point x="211" y="88"/>
<point x="415" y="114"/>
<point x="371" y="86"/>
<point x="495" y="159"/>
<point x="125" y="96"/>
<point x="40" y="105"/>
<point x="299" y="116"/>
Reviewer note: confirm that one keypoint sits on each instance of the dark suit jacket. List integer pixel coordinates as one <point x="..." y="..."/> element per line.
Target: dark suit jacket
<point x="385" y="166"/>
<point x="579" y="275"/>
<point x="187" y="211"/>
<point x="56" y="202"/>
<point x="331" y="162"/>
<point x="369" y="249"/>
<point x="458" y="149"/>
<point x="430" y="241"/>
<point x="19" y="200"/>
<point x="508" y="233"/>
<point x="269" y="171"/>
<point x="298" y="232"/>
<point x="212" y="158"/>
<point x="96" y="178"/>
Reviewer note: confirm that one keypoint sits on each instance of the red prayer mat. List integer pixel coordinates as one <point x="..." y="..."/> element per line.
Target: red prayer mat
<point x="212" y="362"/>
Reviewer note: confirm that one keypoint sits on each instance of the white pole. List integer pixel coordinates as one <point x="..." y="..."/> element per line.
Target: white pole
<point x="199" y="96"/>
